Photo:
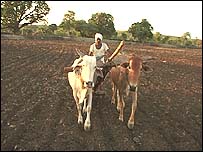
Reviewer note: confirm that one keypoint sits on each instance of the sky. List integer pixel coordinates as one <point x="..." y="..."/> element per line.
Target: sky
<point x="173" y="18"/>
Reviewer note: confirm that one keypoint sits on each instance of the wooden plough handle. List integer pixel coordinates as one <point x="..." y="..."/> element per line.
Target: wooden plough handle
<point x="116" y="51"/>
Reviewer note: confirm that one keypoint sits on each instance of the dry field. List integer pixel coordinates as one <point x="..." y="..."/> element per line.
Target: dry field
<point x="38" y="111"/>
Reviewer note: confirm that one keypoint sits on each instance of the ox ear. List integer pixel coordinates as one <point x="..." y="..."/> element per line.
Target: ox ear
<point x="99" y="73"/>
<point x="146" y="68"/>
<point x="125" y="64"/>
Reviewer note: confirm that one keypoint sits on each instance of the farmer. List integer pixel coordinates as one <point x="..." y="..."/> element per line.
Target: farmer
<point x="99" y="48"/>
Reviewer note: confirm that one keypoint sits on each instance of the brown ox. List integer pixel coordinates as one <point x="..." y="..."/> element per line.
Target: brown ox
<point x="125" y="79"/>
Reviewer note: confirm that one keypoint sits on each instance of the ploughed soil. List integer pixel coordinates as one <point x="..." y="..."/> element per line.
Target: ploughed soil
<point x="38" y="111"/>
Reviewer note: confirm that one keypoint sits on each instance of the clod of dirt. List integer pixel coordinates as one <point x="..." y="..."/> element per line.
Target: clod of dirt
<point x="136" y="139"/>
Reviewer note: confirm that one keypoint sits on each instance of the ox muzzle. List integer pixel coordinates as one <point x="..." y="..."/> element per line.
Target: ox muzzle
<point x="132" y="88"/>
<point x="89" y="84"/>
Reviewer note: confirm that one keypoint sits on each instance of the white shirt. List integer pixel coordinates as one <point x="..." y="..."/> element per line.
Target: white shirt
<point x="99" y="52"/>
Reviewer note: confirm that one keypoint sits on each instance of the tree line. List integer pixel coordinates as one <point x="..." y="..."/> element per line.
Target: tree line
<point x="18" y="17"/>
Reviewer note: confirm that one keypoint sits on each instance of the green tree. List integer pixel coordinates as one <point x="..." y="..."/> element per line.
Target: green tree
<point x="186" y="39"/>
<point x="122" y="35"/>
<point x="173" y="40"/>
<point x="29" y="30"/>
<point x="18" y="14"/>
<point x="68" y="23"/>
<point x="60" y="31"/>
<point x="85" y="29"/>
<point x="42" y="30"/>
<point x="104" y="24"/>
<point x="52" y="28"/>
<point x="187" y="35"/>
<point x="82" y="27"/>
<point x="141" y="31"/>
<point x="195" y="42"/>
<point x="165" y="39"/>
<point x="157" y="37"/>
<point x="92" y="29"/>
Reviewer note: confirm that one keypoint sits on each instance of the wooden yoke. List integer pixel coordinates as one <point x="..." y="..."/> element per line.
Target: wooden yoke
<point x="116" y="51"/>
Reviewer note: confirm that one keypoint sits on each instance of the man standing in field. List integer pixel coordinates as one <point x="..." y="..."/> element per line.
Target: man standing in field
<point x="98" y="48"/>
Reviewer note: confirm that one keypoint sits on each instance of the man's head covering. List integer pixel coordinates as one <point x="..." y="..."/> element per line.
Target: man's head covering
<point x="98" y="35"/>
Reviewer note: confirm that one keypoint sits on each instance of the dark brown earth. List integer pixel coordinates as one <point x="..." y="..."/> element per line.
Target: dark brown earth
<point x="38" y="111"/>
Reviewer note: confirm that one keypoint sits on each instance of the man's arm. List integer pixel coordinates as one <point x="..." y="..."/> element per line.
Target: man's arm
<point x="91" y="51"/>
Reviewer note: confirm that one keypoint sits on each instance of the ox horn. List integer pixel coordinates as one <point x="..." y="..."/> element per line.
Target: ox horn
<point x="81" y="54"/>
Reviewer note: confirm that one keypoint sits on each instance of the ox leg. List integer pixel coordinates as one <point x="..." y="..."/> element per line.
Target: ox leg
<point x="89" y="108"/>
<point x="113" y="99"/>
<point x="122" y="105"/>
<point x="131" y="120"/>
<point x="85" y="106"/>
<point x="118" y="101"/>
<point x="79" y="108"/>
<point x="127" y="90"/>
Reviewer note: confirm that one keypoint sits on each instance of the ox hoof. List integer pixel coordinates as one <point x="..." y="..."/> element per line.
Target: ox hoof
<point x="120" y="118"/>
<point x="87" y="127"/>
<point x="80" y="121"/>
<point x="118" y="109"/>
<point x="130" y="125"/>
<point x="113" y="101"/>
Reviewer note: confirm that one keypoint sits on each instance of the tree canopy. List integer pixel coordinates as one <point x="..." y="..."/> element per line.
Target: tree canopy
<point x="17" y="14"/>
<point x="68" y="22"/>
<point x="141" y="31"/>
<point x="104" y="24"/>
<point x="85" y="29"/>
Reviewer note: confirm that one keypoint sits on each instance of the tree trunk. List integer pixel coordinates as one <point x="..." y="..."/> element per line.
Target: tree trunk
<point x="16" y="29"/>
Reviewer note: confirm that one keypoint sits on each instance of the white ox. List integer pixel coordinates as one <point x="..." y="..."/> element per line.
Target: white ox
<point x="81" y="78"/>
